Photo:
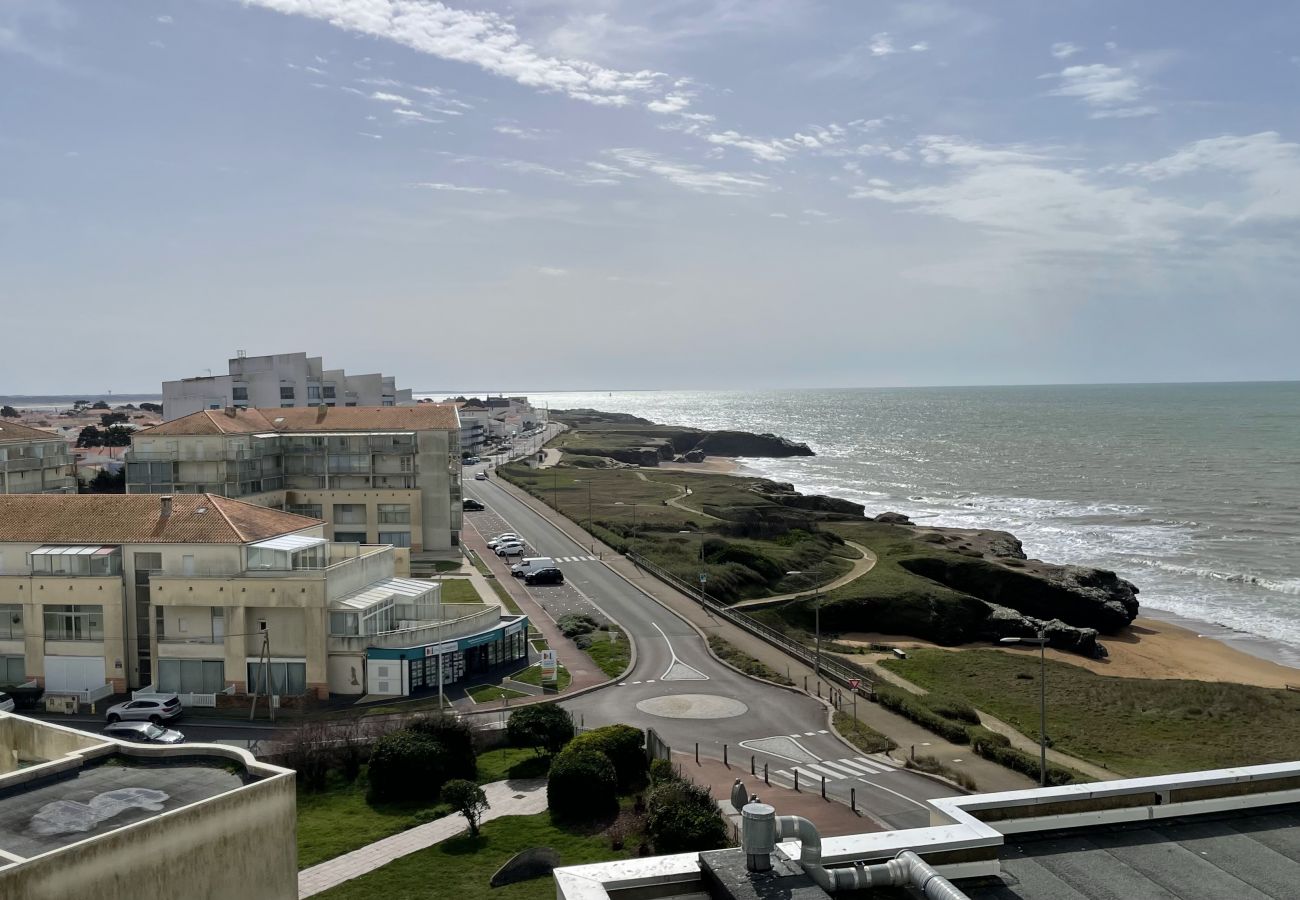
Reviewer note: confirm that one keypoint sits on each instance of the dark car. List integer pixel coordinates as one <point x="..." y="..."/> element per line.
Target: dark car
<point x="472" y="505"/>
<point x="143" y="733"/>
<point x="545" y="576"/>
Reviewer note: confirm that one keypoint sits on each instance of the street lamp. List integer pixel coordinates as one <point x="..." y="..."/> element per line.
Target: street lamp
<point x="704" y="576"/>
<point x="593" y="537"/>
<point x="817" y="619"/>
<point x="1041" y="642"/>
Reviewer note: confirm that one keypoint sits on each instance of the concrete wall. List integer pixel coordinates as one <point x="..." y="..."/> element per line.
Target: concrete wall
<point x="34" y="592"/>
<point x="24" y="740"/>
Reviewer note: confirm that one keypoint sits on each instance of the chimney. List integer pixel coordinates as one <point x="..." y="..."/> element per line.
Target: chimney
<point x="230" y="411"/>
<point x="322" y="410"/>
<point x="166" y="500"/>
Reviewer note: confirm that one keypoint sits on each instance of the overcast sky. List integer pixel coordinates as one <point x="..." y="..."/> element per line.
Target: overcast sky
<point x="596" y="194"/>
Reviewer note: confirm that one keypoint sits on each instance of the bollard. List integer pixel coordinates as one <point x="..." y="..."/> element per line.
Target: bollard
<point x="914" y="751"/>
<point x="823" y="787"/>
<point x="765" y="780"/>
<point x="853" y="799"/>
<point x="725" y="763"/>
<point x="805" y="684"/>
<point x="751" y="764"/>
<point x="697" y="752"/>
<point x="796" y="781"/>
<point x="819" y="689"/>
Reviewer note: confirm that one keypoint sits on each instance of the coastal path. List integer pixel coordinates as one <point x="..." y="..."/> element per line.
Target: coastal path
<point x="861" y="566"/>
<point x="688" y="696"/>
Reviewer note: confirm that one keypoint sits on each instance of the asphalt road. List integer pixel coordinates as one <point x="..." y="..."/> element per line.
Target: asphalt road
<point x="254" y="737"/>
<point x="686" y="696"/>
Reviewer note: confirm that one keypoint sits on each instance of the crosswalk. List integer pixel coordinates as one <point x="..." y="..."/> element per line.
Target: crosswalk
<point x="569" y="559"/>
<point x="837" y="769"/>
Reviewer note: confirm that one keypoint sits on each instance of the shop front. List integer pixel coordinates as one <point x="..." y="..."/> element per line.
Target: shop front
<point x="403" y="671"/>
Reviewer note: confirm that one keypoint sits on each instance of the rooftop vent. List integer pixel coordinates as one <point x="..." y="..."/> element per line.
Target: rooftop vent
<point x="166" y="500"/>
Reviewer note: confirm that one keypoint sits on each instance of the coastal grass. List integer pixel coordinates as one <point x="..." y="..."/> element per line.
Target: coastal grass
<point x="862" y="736"/>
<point x="733" y="655"/>
<point x="338" y="819"/>
<point x="1132" y="726"/>
<point x="461" y="866"/>
<point x="610" y="651"/>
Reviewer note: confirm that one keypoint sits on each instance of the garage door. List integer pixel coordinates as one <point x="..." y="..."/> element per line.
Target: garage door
<point x="73" y="673"/>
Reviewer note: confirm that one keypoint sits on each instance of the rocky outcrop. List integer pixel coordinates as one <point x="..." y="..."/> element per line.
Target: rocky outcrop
<point x="1005" y="622"/>
<point x="743" y="443"/>
<point x="892" y="518"/>
<point x="784" y="493"/>
<point x="694" y="456"/>
<point x="595" y="417"/>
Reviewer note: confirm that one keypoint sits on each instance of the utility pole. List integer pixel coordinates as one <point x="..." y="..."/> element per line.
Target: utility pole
<point x="264" y="677"/>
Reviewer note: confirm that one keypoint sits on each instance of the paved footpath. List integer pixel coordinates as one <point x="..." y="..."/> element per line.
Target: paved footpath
<point x="506" y="798"/>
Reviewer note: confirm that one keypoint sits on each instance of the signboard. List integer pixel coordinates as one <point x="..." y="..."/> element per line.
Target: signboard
<point x="550" y="667"/>
<point x="854" y="683"/>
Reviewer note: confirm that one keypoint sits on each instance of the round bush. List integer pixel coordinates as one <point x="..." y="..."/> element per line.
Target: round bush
<point x="582" y="785"/>
<point x="624" y="746"/>
<point x="456" y="739"/>
<point x="405" y="765"/>
<point x="543" y="726"/>
<point x="682" y="817"/>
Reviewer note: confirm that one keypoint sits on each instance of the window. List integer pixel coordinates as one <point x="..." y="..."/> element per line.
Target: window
<point x="12" y="670"/>
<point x="148" y="562"/>
<point x="286" y="393"/>
<point x="75" y="561"/>
<point x="74" y="623"/>
<point x="342" y="623"/>
<point x="396" y="538"/>
<point x="311" y="510"/>
<point x="350" y="537"/>
<point x="406" y="463"/>
<point x="11" y="623"/>
<point x="239" y="394"/>
<point x="395" y="513"/>
<point x="328" y="391"/>
<point x="287" y="678"/>
<point x="313" y="392"/>
<point x="286" y="406"/>
<point x="349" y="514"/>
<point x="191" y="676"/>
<point x="353" y="403"/>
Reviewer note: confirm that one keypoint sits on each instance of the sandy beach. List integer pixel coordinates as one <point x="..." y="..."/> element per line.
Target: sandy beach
<point x="712" y="465"/>
<point x="1149" y="649"/>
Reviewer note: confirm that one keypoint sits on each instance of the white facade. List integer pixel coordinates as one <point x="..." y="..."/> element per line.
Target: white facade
<point x="282" y="380"/>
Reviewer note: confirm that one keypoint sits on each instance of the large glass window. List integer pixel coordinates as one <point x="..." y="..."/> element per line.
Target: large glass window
<point x="239" y="394"/>
<point x="286" y="393"/>
<point x="191" y="676"/>
<point x="12" y="670"/>
<point x="313" y="392"/>
<point x="328" y="391"/>
<point x="11" y="621"/>
<point x="350" y="537"/>
<point x="395" y="513"/>
<point x="343" y="623"/>
<point x="92" y="561"/>
<point x="396" y="538"/>
<point x="311" y="510"/>
<point x="349" y="514"/>
<point x="287" y="678"/>
<point x="148" y="562"/>
<point x="74" y="623"/>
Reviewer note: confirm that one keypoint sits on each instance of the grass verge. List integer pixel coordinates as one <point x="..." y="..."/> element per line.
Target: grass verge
<point x="339" y="819"/>
<point x="533" y="675"/>
<point x="459" y="590"/>
<point x="511" y="762"/>
<point x="610" y="651"/>
<point x="488" y="693"/>
<point x="730" y="653"/>
<point x="865" y="738"/>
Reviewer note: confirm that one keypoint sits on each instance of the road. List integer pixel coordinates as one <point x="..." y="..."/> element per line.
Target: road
<point x="254" y="737"/>
<point x="686" y="696"/>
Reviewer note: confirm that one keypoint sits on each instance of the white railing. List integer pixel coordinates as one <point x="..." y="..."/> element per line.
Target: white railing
<point x="91" y="696"/>
<point x="197" y="701"/>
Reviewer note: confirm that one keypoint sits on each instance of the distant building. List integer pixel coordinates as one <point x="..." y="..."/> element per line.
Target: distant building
<point x="375" y="475"/>
<point x="90" y="816"/>
<point x="33" y="461"/>
<point x="281" y="381"/>
<point x="496" y="418"/>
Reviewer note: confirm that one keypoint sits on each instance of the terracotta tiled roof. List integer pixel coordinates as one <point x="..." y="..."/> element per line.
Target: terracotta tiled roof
<point x="13" y="432"/>
<point x="138" y="519"/>
<point x="308" y="419"/>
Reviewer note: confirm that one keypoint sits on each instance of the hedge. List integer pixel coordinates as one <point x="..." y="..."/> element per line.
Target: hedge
<point x="407" y="766"/>
<point x="581" y="785"/>
<point x="682" y="817"/>
<point x="998" y="749"/>
<point x="917" y="709"/>
<point x="455" y="737"/>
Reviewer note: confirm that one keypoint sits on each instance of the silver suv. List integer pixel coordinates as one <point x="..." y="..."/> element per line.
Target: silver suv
<point x="163" y="708"/>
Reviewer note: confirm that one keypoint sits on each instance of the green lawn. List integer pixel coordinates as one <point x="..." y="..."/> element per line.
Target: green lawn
<point x="533" y="675"/>
<point x="487" y="693"/>
<point x="339" y="820"/>
<point x="1133" y="726"/>
<point x="610" y="656"/>
<point x="511" y="762"/>
<point x="461" y="866"/>
<point x="459" y="590"/>
<point x="865" y="738"/>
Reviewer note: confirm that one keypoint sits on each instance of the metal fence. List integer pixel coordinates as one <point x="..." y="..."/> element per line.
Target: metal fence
<point x="833" y="670"/>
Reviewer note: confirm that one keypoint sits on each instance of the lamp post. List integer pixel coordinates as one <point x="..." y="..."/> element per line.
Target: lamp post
<point x="817" y="623"/>
<point x="593" y="538"/>
<point x="1041" y="642"/>
<point x="704" y="576"/>
<point x="438" y="637"/>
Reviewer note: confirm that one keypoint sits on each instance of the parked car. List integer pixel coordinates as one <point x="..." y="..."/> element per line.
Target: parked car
<point x="480" y="476"/>
<point x="143" y="733"/>
<point x="6" y="702"/>
<point x="531" y="564"/>
<point x="159" y="709"/>
<point x="24" y="696"/>
<point x="512" y="548"/>
<point x="549" y="575"/>
<point x="501" y="539"/>
<point x="472" y="505"/>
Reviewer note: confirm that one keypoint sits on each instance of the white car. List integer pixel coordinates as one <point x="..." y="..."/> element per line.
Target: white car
<point x="502" y="539"/>
<point x="510" y="548"/>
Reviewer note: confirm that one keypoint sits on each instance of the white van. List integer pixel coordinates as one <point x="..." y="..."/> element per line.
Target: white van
<point x="531" y="564"/>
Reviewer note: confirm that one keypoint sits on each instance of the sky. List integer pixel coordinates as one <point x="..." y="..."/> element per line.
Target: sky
<point x="590" y="194"/>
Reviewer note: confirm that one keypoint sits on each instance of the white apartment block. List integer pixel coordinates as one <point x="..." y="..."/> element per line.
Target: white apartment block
<point x="34" y="461"/>
<point x="283" y="380"/>
<point x="374" y="475"/>
<point x="496" y="417"/>
<point x="200" y="594"/>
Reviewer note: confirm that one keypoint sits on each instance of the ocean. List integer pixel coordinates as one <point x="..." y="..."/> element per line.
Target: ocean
<point x="1190" y="491"/>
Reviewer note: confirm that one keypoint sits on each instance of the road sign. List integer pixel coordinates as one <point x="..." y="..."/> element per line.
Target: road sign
<point x="550" y="667"/>
<point x="854" y="683"/>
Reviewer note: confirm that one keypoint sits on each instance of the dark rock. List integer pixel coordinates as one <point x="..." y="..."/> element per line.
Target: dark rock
<point x="784" y="493"/>
<point x="1005" y="622"/>
<point x="742" y="443"/>
<point x="892" y="518"/>
<point x="526" y="864"/>
<point x="694" y="456"/>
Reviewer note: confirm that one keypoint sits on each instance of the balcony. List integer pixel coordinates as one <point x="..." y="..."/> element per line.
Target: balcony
<point x="28" y="464"/>
<point x="425" y="633"/>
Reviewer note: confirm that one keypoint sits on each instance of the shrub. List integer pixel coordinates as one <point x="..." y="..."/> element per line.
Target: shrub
<point x="466" y="798"/>
<point x="574" y="624"/>
<point x="1018" y="760"/>
<point x="662" y="770"/>
<point x="309" y="753"/>
<point x="543" y="726"/>
<point x="915" y="708"/>
<point x="934" y="767"/>
<point x="682" y="817"/>
<point x="624" y="746"/>
<point x="952" y="708"/>
<point x="983" y="737"/>
<point x="405" y="765"/>
<point x="455" y="737"/>
<point x="582" y="785"/>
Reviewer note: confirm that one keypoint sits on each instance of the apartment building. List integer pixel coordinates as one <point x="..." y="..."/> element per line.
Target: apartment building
<point x="33" y="461"/>
<point x="202" y="594"/>
<point x="499" y="417"/>
<point x="281" y="381"/>
<point x="374" y="475"/>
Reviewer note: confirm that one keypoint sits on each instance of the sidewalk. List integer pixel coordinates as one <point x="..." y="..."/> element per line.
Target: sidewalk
<point x="989" y="776"/>
<point x="506" y="798"/>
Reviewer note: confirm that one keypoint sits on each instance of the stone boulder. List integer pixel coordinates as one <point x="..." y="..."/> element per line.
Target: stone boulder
<point x="525" y="865"/>
<point x="1005" y="622"/>
<point x="694" y="456"/>
<point x="892" y="518"/>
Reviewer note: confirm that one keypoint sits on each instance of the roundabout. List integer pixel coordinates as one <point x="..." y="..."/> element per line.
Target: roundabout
<point x="692" y="706"/>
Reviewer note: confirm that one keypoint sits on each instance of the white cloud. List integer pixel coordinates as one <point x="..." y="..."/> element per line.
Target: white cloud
<point x="457" y="188"/>
<point x="484" y="39"/>
<point x="159" y="44"/>
<point x="920" y="47"/>
<point x="881" y="44"/>
<point x="412" y="115"/>
<point x="524" y="134"/>
<point x="377" y="137"/>
<point x="689" y="176"/>
<point x="1110" y="91"/>
<point x="670" y="103"/>
<point x="815" y="212"/>
<point x="552" y="271"/>
<point x="385" y="97"/>
<point x="773" y="150"/>
<point x="777" y="216"/>
<point x="1064" y="49"/>
<point x="164" y="20"/>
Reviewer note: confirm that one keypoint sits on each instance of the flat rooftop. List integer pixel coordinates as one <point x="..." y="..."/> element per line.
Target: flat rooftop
<point x="1252" y="855"/>
<point x="48" y="813"/>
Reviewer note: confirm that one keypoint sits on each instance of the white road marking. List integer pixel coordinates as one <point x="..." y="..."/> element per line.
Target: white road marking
<point x="784" y="774"/>
<point x="839" y="766"/>
<point x="823" y="731"/>
<point x="873" y="767"/>
<point x="810" y="734"/>
<point x="881" y="787"/>
<point x="677" y="661"/>
<point x="827" y="771"/>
